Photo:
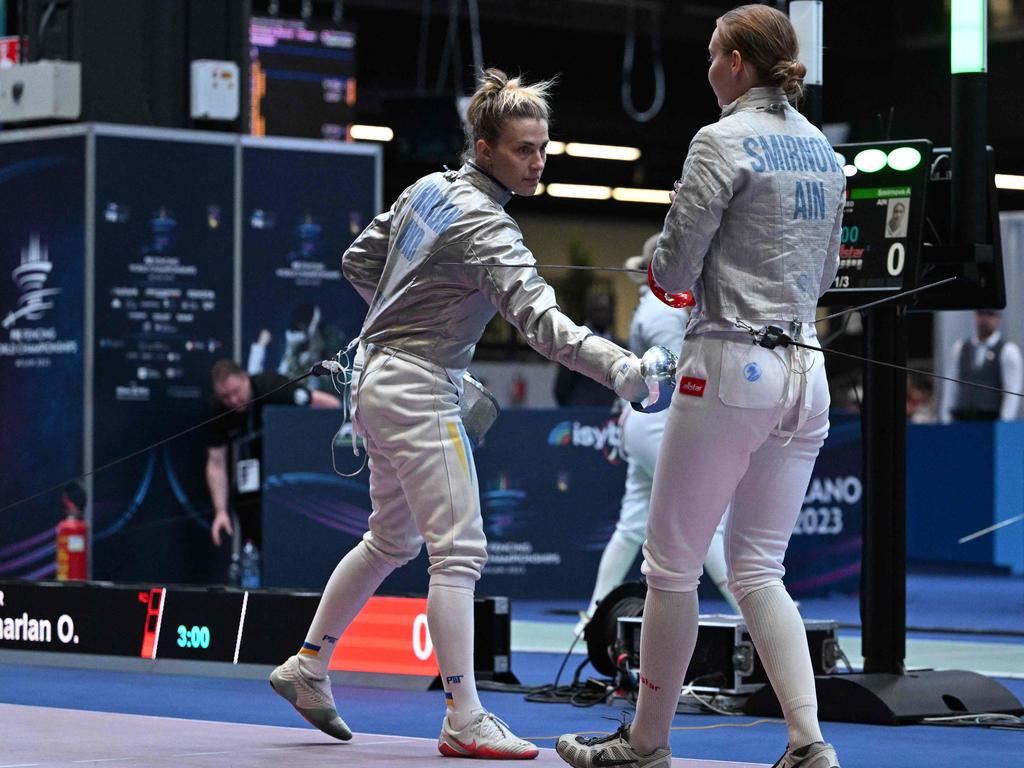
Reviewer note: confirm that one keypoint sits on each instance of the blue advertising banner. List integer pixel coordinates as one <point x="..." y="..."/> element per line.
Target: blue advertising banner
<point x="301" y="209"/>
<point x="42" y="281"/>
<point x="164" y="244"/>
<point x="551" y="484"/>
<point x="824" y="554"/>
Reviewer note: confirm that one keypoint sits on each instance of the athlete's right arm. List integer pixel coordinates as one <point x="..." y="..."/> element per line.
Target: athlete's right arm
<point x="526" y="301"/>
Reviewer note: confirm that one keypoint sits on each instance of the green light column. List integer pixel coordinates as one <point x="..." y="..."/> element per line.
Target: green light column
<point x="969" y="67"/>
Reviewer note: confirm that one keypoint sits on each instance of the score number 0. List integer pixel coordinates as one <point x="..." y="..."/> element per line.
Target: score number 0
<point x="896" y="259"/>
<point x="422" y="646"/>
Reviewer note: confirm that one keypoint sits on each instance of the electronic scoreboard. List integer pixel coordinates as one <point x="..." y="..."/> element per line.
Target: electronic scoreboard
<point x="886" y="185"/>
<point x="389" y="635"/>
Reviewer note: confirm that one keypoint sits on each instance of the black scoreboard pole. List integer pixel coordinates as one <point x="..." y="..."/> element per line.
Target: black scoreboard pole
<point x="883" y="428"/>
<point x="883" y="592"/>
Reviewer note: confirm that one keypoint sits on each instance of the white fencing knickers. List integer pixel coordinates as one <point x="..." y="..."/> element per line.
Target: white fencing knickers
<point x="423" y="481"/>
<point x="746" y="424"/>
<point x="641" y="441"/>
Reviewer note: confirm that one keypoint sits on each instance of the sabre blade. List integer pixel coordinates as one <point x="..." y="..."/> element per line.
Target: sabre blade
<point x="899" y="295"/>
<point x="580" y="267"/>
<point x="989" y="529"/>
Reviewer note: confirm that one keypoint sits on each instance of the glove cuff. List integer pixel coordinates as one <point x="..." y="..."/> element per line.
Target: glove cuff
<point x="676" y="300"/>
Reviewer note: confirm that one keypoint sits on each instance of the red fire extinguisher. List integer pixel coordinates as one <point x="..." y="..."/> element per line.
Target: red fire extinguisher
<point x="73" y="537"/>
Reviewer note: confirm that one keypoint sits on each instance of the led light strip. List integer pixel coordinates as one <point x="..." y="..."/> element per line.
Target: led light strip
<point x="1009" y="181"/>
<point x="371" y="133"/>
<point x="241" y="625"/>
<point x="159" y="620"/>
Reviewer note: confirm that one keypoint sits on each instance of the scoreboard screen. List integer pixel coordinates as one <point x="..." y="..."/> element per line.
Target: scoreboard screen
<point x="302" y="78"/>
<point x="883" y="219"/>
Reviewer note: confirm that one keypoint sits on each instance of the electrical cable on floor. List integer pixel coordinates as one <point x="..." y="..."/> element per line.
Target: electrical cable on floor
<point x="586" y="694"/>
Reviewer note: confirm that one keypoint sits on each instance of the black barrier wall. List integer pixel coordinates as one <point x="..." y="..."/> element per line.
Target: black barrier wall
<point x="131" y="257"/>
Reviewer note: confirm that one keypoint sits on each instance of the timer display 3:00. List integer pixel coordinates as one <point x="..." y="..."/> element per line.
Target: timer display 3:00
<point x="193" y="637"/>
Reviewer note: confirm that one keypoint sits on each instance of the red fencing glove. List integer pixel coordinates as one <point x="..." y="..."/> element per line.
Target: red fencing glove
<point x="677" y="300"/>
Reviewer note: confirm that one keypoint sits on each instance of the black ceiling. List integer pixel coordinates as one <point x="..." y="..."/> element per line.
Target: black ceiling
<point x="885" y="71"/>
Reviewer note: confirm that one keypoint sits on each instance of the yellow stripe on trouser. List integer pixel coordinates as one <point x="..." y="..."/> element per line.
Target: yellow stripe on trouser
<point x="453" y="433"/>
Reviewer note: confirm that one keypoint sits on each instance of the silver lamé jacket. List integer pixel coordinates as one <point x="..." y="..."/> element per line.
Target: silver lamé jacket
<point x="754" y="230"/>
<point x="423" y="268"/>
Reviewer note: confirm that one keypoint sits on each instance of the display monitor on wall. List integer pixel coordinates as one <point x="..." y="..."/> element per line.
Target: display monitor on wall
<point x="302" y="77"/>
<point x="886" y="185"/>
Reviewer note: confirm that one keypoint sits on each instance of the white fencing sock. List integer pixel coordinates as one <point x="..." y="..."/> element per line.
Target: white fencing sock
<point x="781" y="642"/>
<point x="667" y="639"/>
<point x="353" y="582"/>
<point x="450" y="620"/>
<point x="616" y="561"/>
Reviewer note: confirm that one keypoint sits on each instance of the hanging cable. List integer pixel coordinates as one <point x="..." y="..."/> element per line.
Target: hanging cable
<point x="456" y="48"/>
<point x="627" y="67"/>
<point x="474" y="34"/>
<point x="421" y="58"/>
<point x="450" y="54"/>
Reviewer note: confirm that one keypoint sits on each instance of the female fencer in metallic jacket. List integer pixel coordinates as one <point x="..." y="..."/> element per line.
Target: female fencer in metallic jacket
<point x="423" y="269"/>
<point x="754" y="232"/>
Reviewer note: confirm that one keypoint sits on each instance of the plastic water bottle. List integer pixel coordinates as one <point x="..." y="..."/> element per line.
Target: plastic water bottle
<point x="250" y="566"/>
<point x="235" y="570"/>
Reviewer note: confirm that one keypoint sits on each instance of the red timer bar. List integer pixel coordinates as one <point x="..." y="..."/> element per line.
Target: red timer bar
<point x="388" y="636"/>
<point x="154" y="600"/>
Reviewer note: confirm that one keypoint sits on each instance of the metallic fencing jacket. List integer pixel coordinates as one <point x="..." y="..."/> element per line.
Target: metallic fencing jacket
<point x="422" y="267"/>
<point x="754" y="230"/>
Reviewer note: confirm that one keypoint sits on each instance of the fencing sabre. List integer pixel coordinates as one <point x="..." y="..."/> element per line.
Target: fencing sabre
<point x="989" y="529"/>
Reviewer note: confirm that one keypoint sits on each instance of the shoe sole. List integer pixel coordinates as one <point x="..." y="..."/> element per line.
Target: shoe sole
<point x="286" y="690"/>
<point x="484" y="753"/>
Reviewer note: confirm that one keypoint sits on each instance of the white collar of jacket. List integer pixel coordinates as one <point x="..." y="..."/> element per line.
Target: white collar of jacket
<point x="486" y="183"/>
<point x="767" y="98"/>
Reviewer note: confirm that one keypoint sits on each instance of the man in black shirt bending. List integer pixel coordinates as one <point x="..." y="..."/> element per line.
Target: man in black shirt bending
<point x="240" y="430"/>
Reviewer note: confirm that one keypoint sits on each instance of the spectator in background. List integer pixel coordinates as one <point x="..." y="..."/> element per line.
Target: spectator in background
<point x="920" y="400"/>
<point x="986" y="358"/>
<point x="574" y="388"/>
<point x="239" y="429"/>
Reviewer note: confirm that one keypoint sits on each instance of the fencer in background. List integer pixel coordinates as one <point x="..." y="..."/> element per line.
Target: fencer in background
<point x="434" y="269"/>
<point x="754" y="233"/>
<point x="654" y="323"/>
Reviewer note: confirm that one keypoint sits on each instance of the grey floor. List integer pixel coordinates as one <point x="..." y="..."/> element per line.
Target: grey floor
<point x="27" y="740"/>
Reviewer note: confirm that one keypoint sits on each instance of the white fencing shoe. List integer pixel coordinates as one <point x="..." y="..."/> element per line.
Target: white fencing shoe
<point x="486" y="737"/>
<point x="311" y="698"/>
<point x="816" y="755"/>
<point x="613" y="750"/>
